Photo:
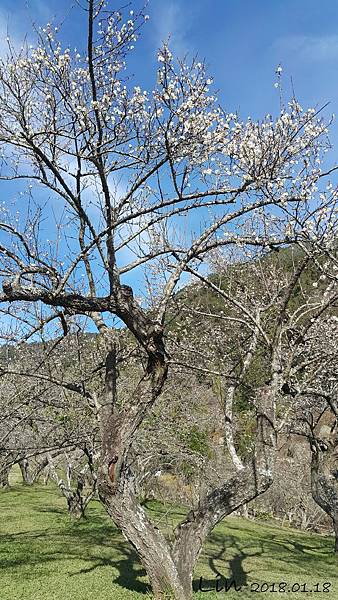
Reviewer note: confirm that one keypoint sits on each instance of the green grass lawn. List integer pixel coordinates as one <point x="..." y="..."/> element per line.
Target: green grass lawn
<point x="44" y="556"/>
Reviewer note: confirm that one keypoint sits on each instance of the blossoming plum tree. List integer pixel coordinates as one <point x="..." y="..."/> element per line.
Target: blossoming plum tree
<point x="141" y="187"/>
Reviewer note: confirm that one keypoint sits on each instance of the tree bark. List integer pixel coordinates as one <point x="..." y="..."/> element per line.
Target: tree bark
<point x="151" y="546"/>
<point x="4" y="474"/>
<point x="170" y="567"/>
<point x="25" y="472"/>
<point x="75" y="505"/>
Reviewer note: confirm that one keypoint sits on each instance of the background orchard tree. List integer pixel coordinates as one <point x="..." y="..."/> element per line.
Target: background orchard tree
<point x="25" y="425"/>
<point x="77" y="479"/>
<point x="46" y="404"/>
<point x="143" y="186"/>
<point x="324" y="448"/>
<point x="315" y="410"/>
<point x="254" y="315"/>
<point x="324" y="444"/>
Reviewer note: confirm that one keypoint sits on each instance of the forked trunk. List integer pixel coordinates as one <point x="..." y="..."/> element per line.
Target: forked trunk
<point x="76" y="499"/>
<point x="170" y="567"/>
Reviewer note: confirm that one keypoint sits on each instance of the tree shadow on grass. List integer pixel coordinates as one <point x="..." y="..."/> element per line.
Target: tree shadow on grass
<point x="125" y="560"/>
<point x="130" y="570"/>
<point x="233" y="563"/>
<point x="95" y="542"/>
<point x="289" y="551"/>
<point x="128" y="567"/>
<point x="49" y="509"/>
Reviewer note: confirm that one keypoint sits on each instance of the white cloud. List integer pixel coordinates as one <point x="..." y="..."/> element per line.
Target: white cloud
<point x="309" y="48"/>
<point x="18" y="24"/>
<point x="39" y="9"/>
<point x="172" y="20"/>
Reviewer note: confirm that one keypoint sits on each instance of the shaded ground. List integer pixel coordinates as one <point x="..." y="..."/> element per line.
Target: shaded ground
<point x="43" y="556"/>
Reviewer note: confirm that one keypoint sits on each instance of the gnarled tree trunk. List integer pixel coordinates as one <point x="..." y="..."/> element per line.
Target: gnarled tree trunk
<point x="170" y="566"/>
<point x="151" y="546"/>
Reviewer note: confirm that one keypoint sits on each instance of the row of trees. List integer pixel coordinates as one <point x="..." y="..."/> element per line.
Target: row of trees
<point x="124" y="196"/>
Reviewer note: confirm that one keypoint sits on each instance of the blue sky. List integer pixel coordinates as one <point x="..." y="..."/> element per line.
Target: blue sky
<point x="242" y="40"/>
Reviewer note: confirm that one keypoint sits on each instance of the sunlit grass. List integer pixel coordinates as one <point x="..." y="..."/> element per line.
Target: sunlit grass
<point x="45" y="556"/>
